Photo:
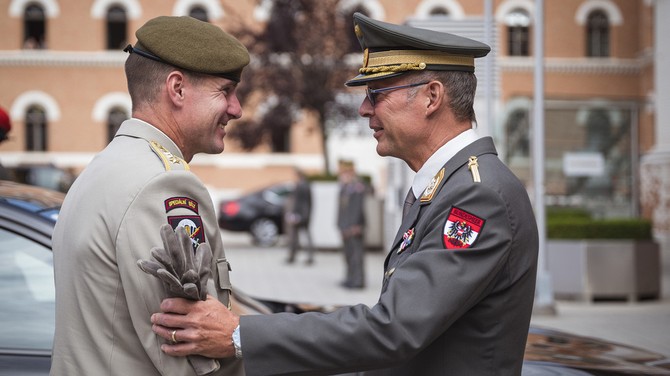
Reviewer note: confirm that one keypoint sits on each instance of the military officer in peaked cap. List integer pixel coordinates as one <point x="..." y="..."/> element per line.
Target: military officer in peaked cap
<point x="182" y="77"/>
<point x="459" y="279"/>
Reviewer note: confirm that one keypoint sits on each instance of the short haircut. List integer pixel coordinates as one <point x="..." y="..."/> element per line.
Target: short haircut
<point x="145" y="78"/>
<point x="461" y="88"/>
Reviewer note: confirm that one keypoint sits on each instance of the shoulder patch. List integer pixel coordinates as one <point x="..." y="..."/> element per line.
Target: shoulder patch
<point x="429" y="192"/>
<point x="193" y="226"/>
<point x="170" y="161"/>
<point x="181" y="202"/>
<point x="461" y="229"/>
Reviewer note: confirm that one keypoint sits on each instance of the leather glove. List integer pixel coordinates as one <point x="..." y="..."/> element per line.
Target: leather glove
<point x="183" y="275"/>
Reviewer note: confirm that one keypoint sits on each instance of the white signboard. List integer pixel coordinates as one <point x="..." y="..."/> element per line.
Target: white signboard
<point x="583" y="164"/>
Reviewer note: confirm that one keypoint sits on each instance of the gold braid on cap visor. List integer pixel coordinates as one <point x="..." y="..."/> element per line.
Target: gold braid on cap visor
<point x="406" y="60"/>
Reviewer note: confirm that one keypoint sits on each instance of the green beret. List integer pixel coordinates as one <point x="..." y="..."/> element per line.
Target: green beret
<point x="390" y="50"/>
<point x="191" y="44"/>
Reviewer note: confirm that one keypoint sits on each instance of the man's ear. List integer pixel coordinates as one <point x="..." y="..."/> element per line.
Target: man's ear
<point x="436" y="93"/>
<point x="175" y="87"/>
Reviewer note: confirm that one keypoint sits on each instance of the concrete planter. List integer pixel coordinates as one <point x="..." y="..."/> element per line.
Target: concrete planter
<point x="604" y="269"/>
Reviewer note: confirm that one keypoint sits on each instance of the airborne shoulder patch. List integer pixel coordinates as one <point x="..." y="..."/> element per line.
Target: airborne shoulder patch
<point x="461" y="229"/>
<point x="193" y="226"/>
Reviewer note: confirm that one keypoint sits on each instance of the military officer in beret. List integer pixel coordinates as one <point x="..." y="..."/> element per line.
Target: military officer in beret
<point x="182" y="78"/>
<point x="459" y="279"/>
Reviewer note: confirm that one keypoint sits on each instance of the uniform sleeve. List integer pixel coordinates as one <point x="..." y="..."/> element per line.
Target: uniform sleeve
<point x="175" y="197"/>
<point x="430" y="289"/>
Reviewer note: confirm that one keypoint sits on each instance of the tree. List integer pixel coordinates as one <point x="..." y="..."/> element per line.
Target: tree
<point x="298" y="63"/>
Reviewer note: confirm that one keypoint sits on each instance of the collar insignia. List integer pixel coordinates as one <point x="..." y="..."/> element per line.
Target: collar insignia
<point x="432" y="187"/>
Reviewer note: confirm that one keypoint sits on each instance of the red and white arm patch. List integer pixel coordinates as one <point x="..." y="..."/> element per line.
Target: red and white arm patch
<point x="461" y="229"/>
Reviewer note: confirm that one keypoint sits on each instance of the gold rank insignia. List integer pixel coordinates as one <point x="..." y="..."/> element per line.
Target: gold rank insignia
<point x="473" y="166"/>
<point x="432" y="186"/>
<point x="167" y="157"/>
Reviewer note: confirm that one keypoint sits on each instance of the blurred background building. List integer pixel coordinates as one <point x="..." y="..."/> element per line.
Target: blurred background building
<point x="61" y="72"/>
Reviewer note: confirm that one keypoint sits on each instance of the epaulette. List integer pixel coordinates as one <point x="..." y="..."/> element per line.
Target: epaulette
<point x="170" y="161"/>
<point x="473" y="166"/>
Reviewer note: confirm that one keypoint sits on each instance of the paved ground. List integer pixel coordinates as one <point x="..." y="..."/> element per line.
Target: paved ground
<point x="262" y="272"/>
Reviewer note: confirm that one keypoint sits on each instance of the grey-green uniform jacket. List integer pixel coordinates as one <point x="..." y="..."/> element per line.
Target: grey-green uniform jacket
<point x="457" y="293"/>
<point x="110" y="219"/>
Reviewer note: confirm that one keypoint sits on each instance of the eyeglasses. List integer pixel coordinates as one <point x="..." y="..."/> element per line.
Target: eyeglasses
<point x="370" y="93"/>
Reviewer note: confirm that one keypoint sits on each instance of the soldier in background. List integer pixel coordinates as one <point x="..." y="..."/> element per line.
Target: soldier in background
<point x="297" y="215"/>
<point x="351" y="222"/>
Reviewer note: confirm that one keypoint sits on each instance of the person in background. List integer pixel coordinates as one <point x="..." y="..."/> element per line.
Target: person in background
<point x="182" y="77"/>
<point x="297" y="215"/>
<point x="459" y="278"/>
<point x="351" y="222"/>
<point x="5" y="127"/>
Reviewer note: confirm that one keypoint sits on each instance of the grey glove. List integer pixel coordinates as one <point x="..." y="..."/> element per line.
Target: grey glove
<point x="183" y="275"/>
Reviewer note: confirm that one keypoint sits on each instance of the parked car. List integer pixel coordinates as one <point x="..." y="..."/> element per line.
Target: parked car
<point x="27" y="217"/>
<point x="259" y="213"/>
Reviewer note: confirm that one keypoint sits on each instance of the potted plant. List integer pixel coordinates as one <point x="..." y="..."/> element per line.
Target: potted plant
<point x="594" y="259"/>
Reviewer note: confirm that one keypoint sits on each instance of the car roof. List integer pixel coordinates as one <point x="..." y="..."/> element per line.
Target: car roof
<point x="29" y="210"/>
<point x="30" y="199"/>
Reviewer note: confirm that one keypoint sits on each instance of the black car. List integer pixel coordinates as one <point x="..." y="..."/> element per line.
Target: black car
<point x="259" y="213"/>
<point x="27" y="217"/>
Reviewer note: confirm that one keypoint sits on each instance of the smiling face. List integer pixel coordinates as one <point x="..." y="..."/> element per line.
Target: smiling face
<point x="397" y="120"/>
<point x="211" y="102"/>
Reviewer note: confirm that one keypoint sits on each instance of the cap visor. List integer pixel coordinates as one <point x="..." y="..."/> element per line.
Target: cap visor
<point x="363" y="79"/>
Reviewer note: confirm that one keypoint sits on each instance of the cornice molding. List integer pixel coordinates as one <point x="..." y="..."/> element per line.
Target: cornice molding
<point x="576" y="65"/>
<point x="39" y="58"/>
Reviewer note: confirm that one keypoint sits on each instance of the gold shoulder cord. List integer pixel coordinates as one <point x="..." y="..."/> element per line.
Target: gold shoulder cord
<point x="167" y="157"/>
<point x="473" y="166"/>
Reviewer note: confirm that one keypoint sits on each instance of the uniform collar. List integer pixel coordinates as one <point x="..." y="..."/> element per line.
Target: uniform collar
<point x="137" y="128"/>
<point x="440" y="158"/>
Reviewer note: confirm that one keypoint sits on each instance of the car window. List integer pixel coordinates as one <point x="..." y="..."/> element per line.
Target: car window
<point x="27" y="293"/>
<point x="277" y="194"/>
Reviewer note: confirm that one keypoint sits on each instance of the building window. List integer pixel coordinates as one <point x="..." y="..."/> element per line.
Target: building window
<point x="518" y="22"/>
<point x="36" y="129"/>
<point x="117" y="28"/>
<point x="114" y="120"/>
<point x="597" y="34"/>
<point x="199" y="13"/>
<point x="34" y="27"/>
<point x="439" y="12"/>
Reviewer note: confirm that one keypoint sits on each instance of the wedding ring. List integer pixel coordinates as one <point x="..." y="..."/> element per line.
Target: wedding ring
<point x="174" y="338"/>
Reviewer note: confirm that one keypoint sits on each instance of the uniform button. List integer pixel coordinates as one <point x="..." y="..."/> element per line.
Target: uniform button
<point x="389" y="272"/>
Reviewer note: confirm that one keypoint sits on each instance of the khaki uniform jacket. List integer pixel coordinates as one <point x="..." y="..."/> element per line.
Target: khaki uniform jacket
<point x="443" y="310"/>
<point x="111" y="218"/>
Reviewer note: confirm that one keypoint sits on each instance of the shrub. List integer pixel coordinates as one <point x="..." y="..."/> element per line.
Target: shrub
<point x="578" y="224"/>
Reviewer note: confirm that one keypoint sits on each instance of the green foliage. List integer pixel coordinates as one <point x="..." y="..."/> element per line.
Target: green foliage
<point x="578" y="224"/>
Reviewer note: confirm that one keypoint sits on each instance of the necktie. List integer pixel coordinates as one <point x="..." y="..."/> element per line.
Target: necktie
<point x="409" y="200"/>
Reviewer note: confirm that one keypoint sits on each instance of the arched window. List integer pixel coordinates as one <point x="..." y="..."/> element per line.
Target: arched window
<point x="116" y="117"/>
<point x="439" y="12"/>
<point x="117" y="28"/>
<point x="34" y="27"/>
<point x="518" y="22"/>
<point x="36" y="129"/>
<point x="199" y="13"/>
<point x="597" y="34"/>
